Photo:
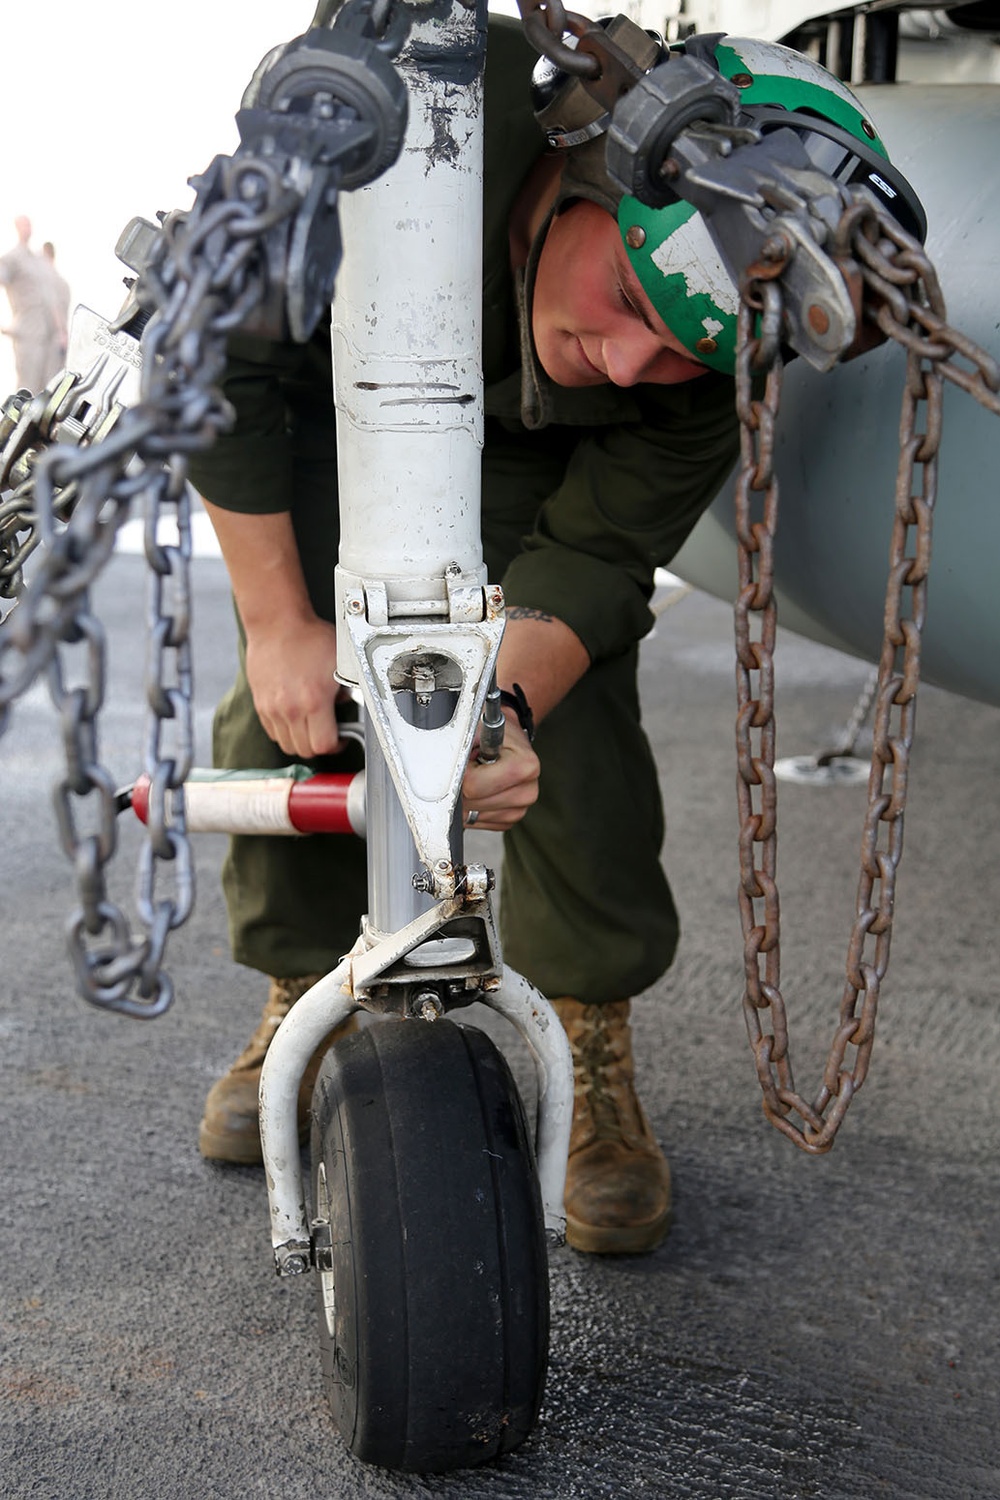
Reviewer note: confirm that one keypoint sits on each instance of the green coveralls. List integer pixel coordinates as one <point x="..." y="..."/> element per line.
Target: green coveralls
<point x="585" y="493"/>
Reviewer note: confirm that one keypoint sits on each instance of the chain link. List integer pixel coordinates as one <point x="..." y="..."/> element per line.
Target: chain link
<point x="18" y="539"/>
<point x="258" y="251"/>
<point x="28" y="423"/>
<point x="206" y="277"/>
<point x="845" y="743"/>
<point x="903" y="287"/>
<point x="545" y="23"/>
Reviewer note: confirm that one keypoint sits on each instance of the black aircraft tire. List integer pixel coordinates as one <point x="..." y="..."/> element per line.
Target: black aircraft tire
<point x="434" y="1310"/>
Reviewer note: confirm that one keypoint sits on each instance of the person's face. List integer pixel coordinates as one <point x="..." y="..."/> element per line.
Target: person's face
<point x="23" y="227"/>
<point x="592" y="322"/>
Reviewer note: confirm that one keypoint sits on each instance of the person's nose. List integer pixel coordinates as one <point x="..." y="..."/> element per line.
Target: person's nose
<point x="629" y="355"/>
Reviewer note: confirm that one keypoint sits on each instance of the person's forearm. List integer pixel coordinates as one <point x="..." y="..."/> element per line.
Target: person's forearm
<point x="291" y="652"/>
<point x="264" y="566"/>
<point x="543" y="655"/>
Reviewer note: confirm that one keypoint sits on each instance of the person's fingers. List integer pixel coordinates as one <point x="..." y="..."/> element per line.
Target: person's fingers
<point x="304" y="737"/>
<point x="501" y="793"/>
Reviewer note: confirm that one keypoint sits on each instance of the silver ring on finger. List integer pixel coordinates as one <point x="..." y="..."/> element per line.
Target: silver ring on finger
<point x="472" y="816"/>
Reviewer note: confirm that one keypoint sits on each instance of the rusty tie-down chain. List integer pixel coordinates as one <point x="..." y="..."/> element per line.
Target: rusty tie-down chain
<point x="902" y="285"/>
<point x="545" y="23"/>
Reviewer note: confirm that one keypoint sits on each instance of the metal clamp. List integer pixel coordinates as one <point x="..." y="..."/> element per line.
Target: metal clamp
<point x="646" y="122"/>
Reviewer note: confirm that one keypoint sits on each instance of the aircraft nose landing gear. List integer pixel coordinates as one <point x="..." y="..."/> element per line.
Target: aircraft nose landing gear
<point x="431" y="1214"/>
<point x="430" y="1217"/>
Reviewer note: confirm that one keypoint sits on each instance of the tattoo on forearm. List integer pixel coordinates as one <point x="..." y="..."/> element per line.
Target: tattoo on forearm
<point x="521" y="612"/>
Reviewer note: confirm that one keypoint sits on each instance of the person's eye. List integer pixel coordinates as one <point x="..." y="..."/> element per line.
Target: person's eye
<point x="625" y="300"/>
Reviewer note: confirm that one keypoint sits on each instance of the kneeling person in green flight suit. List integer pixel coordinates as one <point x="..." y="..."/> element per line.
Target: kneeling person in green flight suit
<point x="609" y="341"/>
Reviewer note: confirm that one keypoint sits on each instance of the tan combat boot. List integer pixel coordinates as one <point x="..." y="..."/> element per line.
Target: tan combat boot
<point x="617" y="1180"/>
<point x="230" y="1130"/>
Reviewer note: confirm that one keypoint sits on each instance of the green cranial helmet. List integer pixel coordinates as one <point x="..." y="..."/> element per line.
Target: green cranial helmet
<point x="671" y="250"/>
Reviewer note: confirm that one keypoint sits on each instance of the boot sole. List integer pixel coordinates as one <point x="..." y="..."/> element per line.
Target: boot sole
<point x="603" y="1239"/>
<point x="238" y="1152"/>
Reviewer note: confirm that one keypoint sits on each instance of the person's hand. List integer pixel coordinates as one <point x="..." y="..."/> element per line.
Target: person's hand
<point x="290" y="668"/>
<point x="501" y="793"/>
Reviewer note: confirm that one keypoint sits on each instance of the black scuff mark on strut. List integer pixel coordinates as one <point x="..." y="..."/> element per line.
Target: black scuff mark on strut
<point x="427" y="397"/>
<point x="447" y="64"/>
<point x="449" y="123"/>
<point x="459" y="68"/>
<point x="404" y="385"/>
<point x="444" y="147"/>
<point x="429" y="400"/>
<point x="452" y="62"/>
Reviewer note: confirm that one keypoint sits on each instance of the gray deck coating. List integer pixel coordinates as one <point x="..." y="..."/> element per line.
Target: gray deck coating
<point x="811" y="1328"/>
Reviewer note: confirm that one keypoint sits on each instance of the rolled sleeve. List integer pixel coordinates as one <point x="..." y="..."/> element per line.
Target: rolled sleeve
<point x="630" y="495"/>
<point x="282" y="399"/>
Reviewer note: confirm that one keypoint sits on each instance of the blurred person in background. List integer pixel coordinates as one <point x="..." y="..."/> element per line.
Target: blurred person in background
<point x="60" y="309"/>
<point x="37" y="327"/>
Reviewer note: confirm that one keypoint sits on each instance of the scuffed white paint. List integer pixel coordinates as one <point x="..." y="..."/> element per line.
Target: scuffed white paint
<point x="690" y="253"/>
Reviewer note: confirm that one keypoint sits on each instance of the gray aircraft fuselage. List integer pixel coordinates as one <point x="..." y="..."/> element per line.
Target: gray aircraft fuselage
<point x="837" y="443"/>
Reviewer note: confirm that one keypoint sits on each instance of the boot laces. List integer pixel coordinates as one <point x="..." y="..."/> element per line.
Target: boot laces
<point x="604" y="1077"/>
<point x="283" y="995"/>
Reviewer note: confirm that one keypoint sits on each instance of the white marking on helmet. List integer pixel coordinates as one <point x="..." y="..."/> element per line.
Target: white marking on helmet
<point x="690" y="252"/>
<point x="773" y="58"/>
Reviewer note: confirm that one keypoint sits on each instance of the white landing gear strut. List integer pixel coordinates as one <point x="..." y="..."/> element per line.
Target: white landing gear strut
<point x="419" y="630"/>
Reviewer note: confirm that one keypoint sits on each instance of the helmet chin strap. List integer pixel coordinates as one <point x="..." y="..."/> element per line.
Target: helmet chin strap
<point x="533" y="206"/>
<point x="536" y="401"/>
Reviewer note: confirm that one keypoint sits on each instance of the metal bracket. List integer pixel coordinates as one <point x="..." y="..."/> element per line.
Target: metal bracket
<point x="398" y="666"/>
<point x="100" y="380"/>
<point x="328" y="111"/>
<point x="664" y="102"/>
<point x="424" y="951"/>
